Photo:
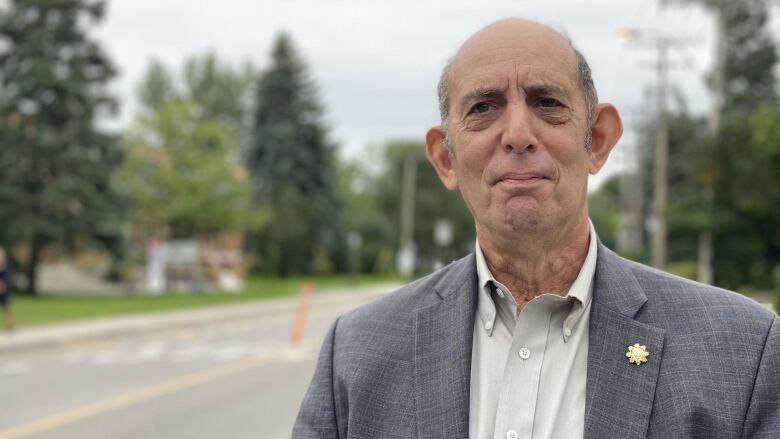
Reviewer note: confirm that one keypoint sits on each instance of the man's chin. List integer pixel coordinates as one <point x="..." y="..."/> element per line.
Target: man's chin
<point x="524" y="219"/>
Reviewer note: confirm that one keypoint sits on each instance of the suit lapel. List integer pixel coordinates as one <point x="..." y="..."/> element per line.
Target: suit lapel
<point x="619" y="395"/>
<point x="442" y="355"/>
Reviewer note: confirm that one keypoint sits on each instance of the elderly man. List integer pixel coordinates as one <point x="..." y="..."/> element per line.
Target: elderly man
<point x="542" y="332"/>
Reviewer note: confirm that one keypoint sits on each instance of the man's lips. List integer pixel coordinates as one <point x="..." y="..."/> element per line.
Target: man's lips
<point x="520" y="178"/>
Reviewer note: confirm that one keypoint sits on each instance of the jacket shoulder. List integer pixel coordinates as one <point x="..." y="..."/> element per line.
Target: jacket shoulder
<point x="672" y="299"/>
<point x="398" y="306"/>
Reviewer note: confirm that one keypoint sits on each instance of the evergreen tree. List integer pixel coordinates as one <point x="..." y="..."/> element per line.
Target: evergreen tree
<point x="56" y="179"/>
<point x="291" y="163"/>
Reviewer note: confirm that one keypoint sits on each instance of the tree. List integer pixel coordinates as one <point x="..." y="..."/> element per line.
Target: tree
<point x="708" y="170"/>
<point x="685" y="214"/>
<point x="363" y="217"/>
<point x="604" y="210"/>
<point x="292" y="166"/>
<point x="751" y="55"/>
<point x="748" y="82"/>
<point x="183" y="177"/>
<point x="218" y="91"/>
<point x="372" y="206"/>
<point x="747" y="199"/>
<point x="157" y="88"/>
<point x="183" y="167"/>
<point x="432" y="202"/>
<point x="56" y="184"/>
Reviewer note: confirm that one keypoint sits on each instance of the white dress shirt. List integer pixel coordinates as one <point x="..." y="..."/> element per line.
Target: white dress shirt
<point x="528" y="370"/>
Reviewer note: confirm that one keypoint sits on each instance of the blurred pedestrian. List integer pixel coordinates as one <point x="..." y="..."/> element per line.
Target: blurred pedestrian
<point x="6" y="289"/>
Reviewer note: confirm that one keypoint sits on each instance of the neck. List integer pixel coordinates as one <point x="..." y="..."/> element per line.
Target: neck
<point x="530" y="265"/>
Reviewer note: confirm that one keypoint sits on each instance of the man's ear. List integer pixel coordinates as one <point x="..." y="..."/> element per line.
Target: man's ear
<point x="605" y="133"/>
<point x="437" y="153"/>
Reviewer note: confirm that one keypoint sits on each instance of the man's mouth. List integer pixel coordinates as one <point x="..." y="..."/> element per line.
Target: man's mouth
<point x="520" y="178"/>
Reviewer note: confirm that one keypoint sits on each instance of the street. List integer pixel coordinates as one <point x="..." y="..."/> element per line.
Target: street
<point x="238" y="378"/>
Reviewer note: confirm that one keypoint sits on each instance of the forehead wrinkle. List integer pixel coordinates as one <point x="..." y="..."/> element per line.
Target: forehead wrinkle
<point x="546" y="90"/>
<point x="519" y="40"/>
<point x="482" y="81"/>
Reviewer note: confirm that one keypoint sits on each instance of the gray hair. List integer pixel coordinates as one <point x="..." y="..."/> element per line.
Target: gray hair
<point x="584" y="80"/>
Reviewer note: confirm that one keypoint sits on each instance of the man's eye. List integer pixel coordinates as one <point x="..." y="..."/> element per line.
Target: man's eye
<point x="481" y="107"/>
<point x="548" y="103"/>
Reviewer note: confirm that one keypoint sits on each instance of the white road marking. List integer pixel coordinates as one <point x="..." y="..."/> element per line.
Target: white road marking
<point x="309" y="347"/>
<point x="15" y="367"/>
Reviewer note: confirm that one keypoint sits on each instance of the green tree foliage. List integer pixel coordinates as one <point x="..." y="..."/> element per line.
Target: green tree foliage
<point x="734" y="164"/>
<point x="218" y="91"/>
<point x="432" y="202"/>
<point x="157" y="88"/>
<point x="359" y="192"/>
<point x="731" y="166"/>
<point x="182" y="169"/>
<point x="688" y="172"/>
<point x="604" y="210"/>
<point x="747" y="199"/>
<point x="56" y="179"/>
<point x="373" y="208"/>
<point x="292" y="166"/>
<point x="751" y="55"/>
<point x="183" y="177"/>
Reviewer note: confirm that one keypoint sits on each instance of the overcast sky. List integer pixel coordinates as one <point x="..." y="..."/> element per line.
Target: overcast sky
<point x="377" y="63"/>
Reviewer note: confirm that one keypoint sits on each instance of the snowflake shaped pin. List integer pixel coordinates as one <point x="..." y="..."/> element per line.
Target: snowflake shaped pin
<point x="637" y="354"/>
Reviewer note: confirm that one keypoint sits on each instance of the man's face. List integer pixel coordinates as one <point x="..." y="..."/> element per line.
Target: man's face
<point x="517" y="127"/>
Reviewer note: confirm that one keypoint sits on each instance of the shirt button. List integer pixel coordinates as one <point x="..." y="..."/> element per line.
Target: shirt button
<point x="500" y="292"/>
<point x="524" y="353"/>
<point x="567" y="331"/>
<point x="488" y="325"/>
<point x="511" y="434"/>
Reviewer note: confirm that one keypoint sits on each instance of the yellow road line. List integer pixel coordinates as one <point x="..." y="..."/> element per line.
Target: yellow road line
<point x="144" y="394"/>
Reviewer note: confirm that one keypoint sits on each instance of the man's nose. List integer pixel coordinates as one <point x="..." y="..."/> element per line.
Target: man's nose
<point x="518" y="134"/>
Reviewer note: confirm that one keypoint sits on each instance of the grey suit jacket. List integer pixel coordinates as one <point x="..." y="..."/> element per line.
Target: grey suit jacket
<point x="400" y="367"/>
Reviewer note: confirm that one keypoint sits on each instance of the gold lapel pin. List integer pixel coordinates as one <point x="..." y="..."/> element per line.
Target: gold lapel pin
<point x="637" y="354"/>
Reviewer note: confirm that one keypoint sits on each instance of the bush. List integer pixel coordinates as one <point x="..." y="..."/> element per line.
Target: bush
<point x="686" y="269"/>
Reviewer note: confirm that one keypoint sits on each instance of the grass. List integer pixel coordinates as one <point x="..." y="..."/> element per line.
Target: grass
<point x="37" y="310"/>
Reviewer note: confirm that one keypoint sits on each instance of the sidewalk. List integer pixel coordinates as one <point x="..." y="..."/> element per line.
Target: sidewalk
<point x="43" y="336"/>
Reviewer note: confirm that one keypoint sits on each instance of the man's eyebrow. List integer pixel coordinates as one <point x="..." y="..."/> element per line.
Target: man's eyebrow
<point x="545" y="90"/>
<point x="480" y="93"/>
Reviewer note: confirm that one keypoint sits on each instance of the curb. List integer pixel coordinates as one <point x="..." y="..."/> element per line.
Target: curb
<point x="56" y="334"/>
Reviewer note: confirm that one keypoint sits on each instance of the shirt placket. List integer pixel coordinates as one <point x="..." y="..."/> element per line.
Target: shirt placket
<point x="520" y="383"/>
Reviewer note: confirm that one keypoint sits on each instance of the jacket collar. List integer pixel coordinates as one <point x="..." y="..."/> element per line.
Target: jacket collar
<point x="443" y="331"/>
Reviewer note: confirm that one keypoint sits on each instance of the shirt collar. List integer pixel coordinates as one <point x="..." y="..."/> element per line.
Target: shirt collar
<point x="581" y="289"/>
<point x="486" y="308"/>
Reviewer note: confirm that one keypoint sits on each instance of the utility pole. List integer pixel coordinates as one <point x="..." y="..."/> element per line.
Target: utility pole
<point x="657" y="224"/>
<point x="705" y="253"/>
<point x="405" y="259"/>
<point x="630" y="231"/>
<point x="661" y="159"/>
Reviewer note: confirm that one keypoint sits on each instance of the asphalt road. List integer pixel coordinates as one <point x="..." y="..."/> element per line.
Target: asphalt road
<point x="231" y="379"/>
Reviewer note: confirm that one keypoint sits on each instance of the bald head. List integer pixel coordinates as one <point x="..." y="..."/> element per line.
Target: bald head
<point x="517" y="35"/>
